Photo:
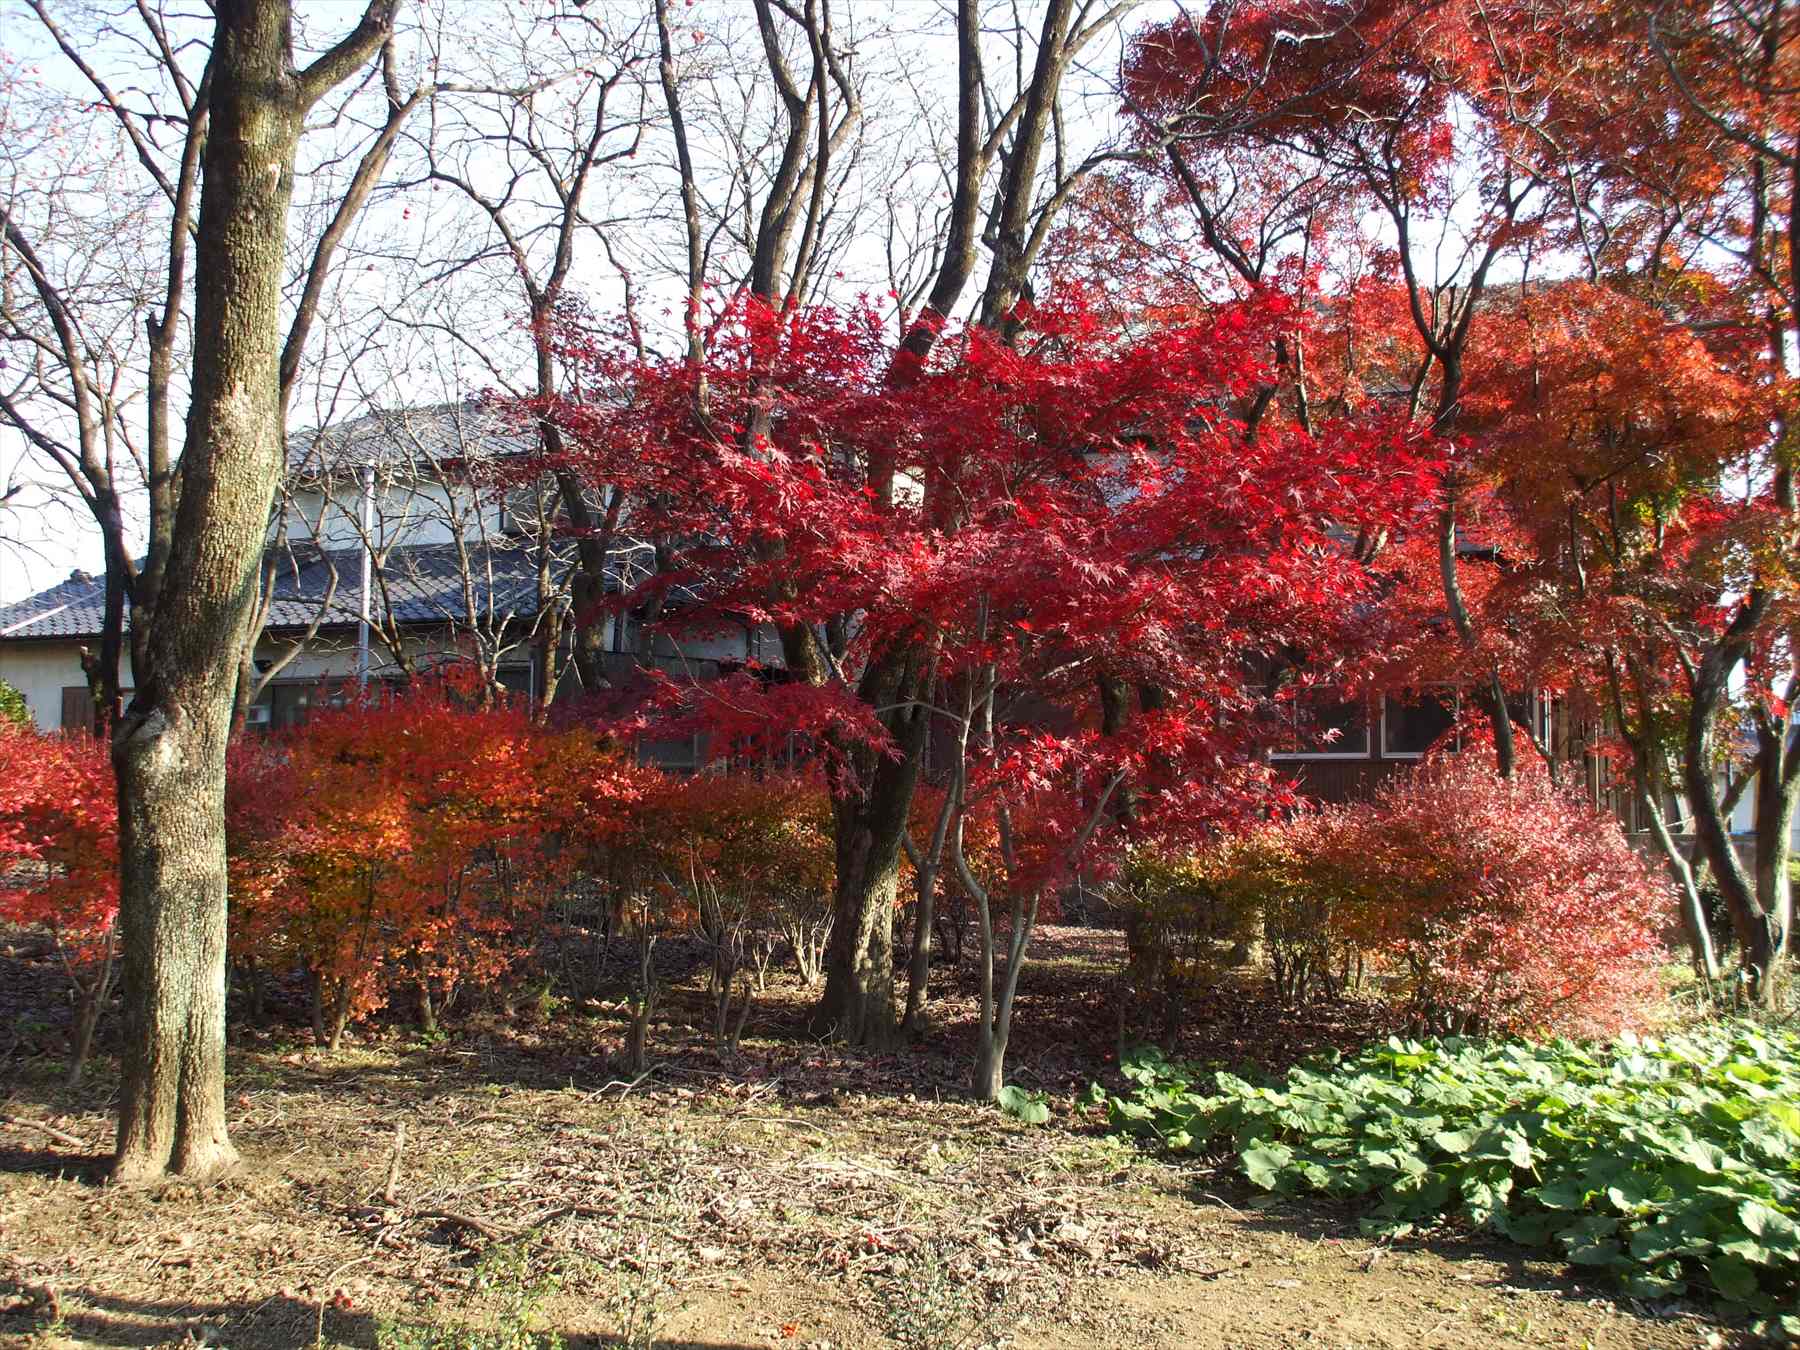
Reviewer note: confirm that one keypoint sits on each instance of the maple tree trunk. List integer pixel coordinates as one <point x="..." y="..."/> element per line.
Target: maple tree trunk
<point x="318" y="1008"/>
<point x="1756" y="928"/>
<point x="1775" y="801"/>
<point x="871" y="809"/>
<point x="169" y="752"/>
<point x="340" y="1016"/>
<point x="918" y="973"/>
<point x="857" y="1005"/>
<point x="588" y="586"/>
<point x="997" y="1004"/>
<point x="1693" y="910"/>
<point x="1680" y="869"/>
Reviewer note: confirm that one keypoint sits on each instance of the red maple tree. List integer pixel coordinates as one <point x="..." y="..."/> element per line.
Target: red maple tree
<point x="1069" y="532"/>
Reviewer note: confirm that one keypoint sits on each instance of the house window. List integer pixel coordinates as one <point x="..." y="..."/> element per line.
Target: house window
<point x="284" y="705"/>
<point x="1322" y="727"/>
<point x="1530" y="711"/>
<point x="676" y="756"/>
<point x="515" y="679"/>
<point x="1412" y="722"/>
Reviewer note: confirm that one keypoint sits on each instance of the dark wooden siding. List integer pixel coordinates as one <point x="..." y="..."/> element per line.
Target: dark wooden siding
<point x="1341" y="780"/>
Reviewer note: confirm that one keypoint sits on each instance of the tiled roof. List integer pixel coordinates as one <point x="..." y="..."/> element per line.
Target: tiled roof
<point x="72" y="609"/>
<point x="402" y="438"/>
<point x="424" y="585"/>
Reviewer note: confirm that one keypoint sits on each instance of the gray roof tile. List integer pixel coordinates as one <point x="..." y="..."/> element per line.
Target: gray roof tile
<point x="409" y="438"/>
<point x="424" y="585"/>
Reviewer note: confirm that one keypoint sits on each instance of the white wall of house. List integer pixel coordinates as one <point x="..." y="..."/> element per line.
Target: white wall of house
<point x="1743" y="818"/>
<point x="402" y="511"/>
<point x="726" y="643"/>
<point x="42" y="670"/>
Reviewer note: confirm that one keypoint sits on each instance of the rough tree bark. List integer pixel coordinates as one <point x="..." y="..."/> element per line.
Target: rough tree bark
<point x="169" y="752"/>
<point x="1757" y="929"/>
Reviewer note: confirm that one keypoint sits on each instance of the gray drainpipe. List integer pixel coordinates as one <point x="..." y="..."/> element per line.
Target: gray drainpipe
<point x="366" y="479"/>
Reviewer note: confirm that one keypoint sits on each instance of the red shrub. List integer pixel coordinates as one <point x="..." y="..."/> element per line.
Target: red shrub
<point x="1506" y="905"/>
<point x="59" y="858"/>
<point x="410" y="842"/>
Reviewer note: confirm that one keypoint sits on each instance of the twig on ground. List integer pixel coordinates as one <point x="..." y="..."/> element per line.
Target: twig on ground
<point x="621" y="1084"/>
<point x="389" y="1191"/>
<point x="569" y="1212"/>
<point x="61" y="1136"/>
<point x="1208" y="1195"/>
<point x="487" y="1230"/>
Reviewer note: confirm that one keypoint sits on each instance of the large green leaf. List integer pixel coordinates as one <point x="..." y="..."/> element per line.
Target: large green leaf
<point x="1674" y="1164"/>
<point x="1732" y="1277"/>
<point x="1770" y="1226"/>
<point x="1029" y="1107"/>
<point x="1266" y="1164"/>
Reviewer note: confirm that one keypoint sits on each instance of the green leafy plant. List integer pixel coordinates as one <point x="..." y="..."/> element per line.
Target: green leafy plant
<point x="931" y="1308"/>
<point x="514" y="1279"/>
<point x="13" y="707"/>
<point x="1033" y="1108"/>
<point x="1672" y="1165"/>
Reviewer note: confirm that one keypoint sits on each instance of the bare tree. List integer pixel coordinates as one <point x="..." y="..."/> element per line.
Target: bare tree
<point x="101" y="299"/>
<point x="527" y="156"/>
<point x="217" y="163"/>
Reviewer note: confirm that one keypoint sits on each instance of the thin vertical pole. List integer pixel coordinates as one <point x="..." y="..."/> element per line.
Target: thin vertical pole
<point x="366" y="477"/>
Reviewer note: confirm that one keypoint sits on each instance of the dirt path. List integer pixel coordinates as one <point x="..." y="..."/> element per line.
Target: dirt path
<point x="793" y="1196"/>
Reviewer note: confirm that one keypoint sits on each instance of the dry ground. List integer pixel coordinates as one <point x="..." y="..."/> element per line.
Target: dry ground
<point x="792" y="1195"/>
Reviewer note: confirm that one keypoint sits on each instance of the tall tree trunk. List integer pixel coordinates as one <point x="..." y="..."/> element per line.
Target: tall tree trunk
<point x="995" y="1029"/>
<point x="1647" y="782"/>
<point x="1775" y="800"/>
<point x="857" y="1004"/>
<point x="169" y="753"/>
<point x="1754" y="926"/>
<point x="872" y="796"/>
<point x="1493" y="698"/>
<point x="918" y="966"/>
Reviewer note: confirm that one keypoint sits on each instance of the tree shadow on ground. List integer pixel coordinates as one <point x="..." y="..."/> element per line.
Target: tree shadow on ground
<point x="1063" y="1038"/>
<point x="1066" y="1036"/>
<point x="280" y="1322"/>
<point x="86" y="1167"/>
<point x="1490" y="1261"/>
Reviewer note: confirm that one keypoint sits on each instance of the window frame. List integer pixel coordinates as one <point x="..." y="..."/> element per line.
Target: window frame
<point x="1293" y="726"/>
<point x="1455" y="702"/>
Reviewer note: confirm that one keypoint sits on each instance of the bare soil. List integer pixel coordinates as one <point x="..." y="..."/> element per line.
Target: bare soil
<point x="792" y="1194"/>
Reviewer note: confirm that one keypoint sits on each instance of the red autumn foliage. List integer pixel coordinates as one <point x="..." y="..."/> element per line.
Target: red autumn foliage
<point x="59" y="850"/>
<point x="1082" y="500"/>
<point x="1063" y="507"/>
<point x="59" y="858"/>
<point x="411" y="842"/>
<point x="411" y="839"/>
<point x="1504" y="905"/>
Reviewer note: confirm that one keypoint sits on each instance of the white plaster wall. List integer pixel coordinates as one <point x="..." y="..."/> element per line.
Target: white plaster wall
<point x="402" y="513"/>
<point x="42" y="670"/>
<point x="334" y="657"/>
<point x="726" y="643"/>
